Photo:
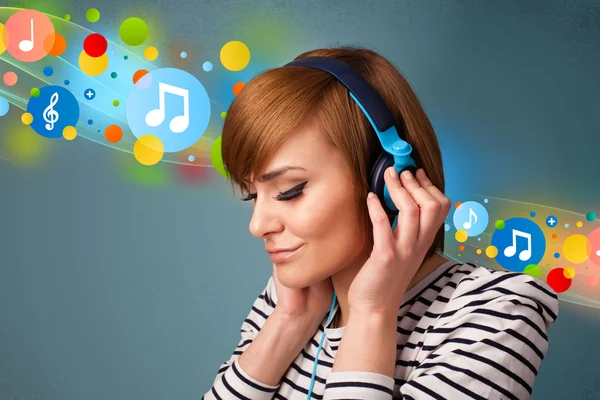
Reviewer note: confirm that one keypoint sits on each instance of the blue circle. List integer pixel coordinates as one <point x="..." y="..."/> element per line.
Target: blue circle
<point x="4" y="106"/>
<point x="67" y="82"/>
<point x="183" y="54"/>
<point x="207" y="66"/>
<point x="89" y="94"/>
<point x="48" y="71"/>
<point x="551" y="221"/>
<point x="556" y="255"/>
<point x="485" y="201"/>
<point x="90" y="122"/>
<point x="191" y="158"/>
<point x="532" y="214"/>
<point x="446" y="227"/>
<point x="51" y="114"/>
<point x="471" y="217"/>
<point x="512" y="242"/>
<point x="566" y="225"/>
<point x="169" y="87"/>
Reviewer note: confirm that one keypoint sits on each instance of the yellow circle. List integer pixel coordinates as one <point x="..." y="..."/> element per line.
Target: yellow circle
<point x="3" y="38"/>
<point x="491" y="251"/>
<point x="576" y="248"/>
<point x="151" y="53"/>
<point x="479" y="251"/>
<point x="235" y="55"/>
<point x="579" y="224"/>
<point x="569" y="272"/>
<point x="93" y="66"/>
<point x="69" y="132"/>
<point x="148" y="150"/>
<point x="461" y="235"/>
<point x="27" y="118"/>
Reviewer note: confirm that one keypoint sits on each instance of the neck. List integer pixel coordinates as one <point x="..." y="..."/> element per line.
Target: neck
<point x="343" y="279"/>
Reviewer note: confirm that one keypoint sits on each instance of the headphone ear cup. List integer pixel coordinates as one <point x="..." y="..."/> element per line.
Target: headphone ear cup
<point x="377" y="183"/>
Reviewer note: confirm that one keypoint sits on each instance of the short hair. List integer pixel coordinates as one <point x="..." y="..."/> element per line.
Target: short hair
<point x="277" y="102"/>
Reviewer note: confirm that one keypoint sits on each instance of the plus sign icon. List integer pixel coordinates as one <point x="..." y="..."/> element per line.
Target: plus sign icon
<point x="89" y="94"/>
<point x="551" y="221"/>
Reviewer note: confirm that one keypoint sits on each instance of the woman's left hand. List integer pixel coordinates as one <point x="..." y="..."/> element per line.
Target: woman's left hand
<point x="380" y="285"/>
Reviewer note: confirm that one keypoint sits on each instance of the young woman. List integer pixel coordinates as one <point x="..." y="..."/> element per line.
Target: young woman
<point x="403" y="321"/>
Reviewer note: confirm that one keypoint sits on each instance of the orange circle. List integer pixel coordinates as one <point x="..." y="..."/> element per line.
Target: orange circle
<point x="554" y="236"/>
<point x="113" y="133"/>
<point x="28" y="29"/>
<point x="457" y="204"/>
<point x="55" y="44"/>
<point x="461" y="248"/>
<point x="139" y="75"/>
<point x="237" y="87"/>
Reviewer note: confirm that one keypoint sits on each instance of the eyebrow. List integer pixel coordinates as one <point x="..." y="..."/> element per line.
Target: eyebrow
<point x="277" y="172"/>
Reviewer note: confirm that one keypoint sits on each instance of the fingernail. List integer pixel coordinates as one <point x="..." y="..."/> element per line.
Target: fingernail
<point x="370" y="195"/>
<point x="407" y="175"/>
<point x="392" y="172"/>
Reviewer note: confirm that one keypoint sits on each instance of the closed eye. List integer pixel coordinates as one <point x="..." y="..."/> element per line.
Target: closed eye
<point x="285" y="196"/>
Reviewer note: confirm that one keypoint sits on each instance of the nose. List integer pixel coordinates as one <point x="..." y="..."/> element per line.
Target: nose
<point x="265" y="219"/>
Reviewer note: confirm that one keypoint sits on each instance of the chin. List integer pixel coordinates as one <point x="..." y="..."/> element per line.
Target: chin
<point x="294" y="276"/>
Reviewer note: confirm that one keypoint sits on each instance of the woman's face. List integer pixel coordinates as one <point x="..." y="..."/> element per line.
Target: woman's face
<point x="322" y="220"/>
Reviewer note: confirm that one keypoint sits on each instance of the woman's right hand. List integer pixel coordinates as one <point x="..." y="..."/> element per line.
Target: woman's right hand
<point x="312" y="301"/>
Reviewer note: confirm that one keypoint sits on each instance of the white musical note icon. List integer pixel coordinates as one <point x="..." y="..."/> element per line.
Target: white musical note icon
<point x="156" y="117"/>
<point x="50" y="114"/>
<point x="510" y="251"/>
<point x="467" y="225"/>
<point x="26" y="45"/>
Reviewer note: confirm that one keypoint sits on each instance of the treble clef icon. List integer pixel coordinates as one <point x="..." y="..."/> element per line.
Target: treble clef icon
<point x="50" y="114"/>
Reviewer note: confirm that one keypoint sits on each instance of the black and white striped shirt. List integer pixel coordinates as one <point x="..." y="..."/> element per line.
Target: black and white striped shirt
<point x="464" y="332"/>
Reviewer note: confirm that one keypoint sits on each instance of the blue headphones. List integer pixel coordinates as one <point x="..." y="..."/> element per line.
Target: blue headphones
<point x="396" y="151"/>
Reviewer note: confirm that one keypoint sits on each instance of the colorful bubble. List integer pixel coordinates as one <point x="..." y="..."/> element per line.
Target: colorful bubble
<point x="207" y="66"/>
<point x="26" y="118"/>
<point x="577" y="249"/>
<point x="64" y="105"/>
<point x="461" y="235"/>
<point x="55" y="44"/>
<point x="594" y="240"/>
<point x="556" y="255"/>
<point x="461" y="247"/>
<point x="10" y="78"/>
<point x="532" y="214"/>
<point x="554" y="236"/>
<point x="224" y="114"/>
<point x="95" y="45"/>
<point x="592" y="280"/>
<point x="457" y="204"/>
<point x="3" y="38"/>
<point x="551" y="221"/>
<point x="558" y="281"/>
<point x="35" y="92"/>
<point x="113" y="133"/>
<point x="478" y="251"/>
<point x="520" y="243"/>
<point x="491" y="251"/>
<point x="4" y="106"/>
<point x="67" y="82"/>
<point x="499" y="224"/>
<point x="133" y="31"/>
<point x="569" y="272"/>
<point x="139" y="74"/>
<point x="235" y="55"/>
<point x="151" y="53"/>
<point x="486" y="201"/>
<point x="191" y="158"/>
<point x="67" y="17"/>
<point x="126" y="57"/>
<point x="533" y="270"/>
<point x="472" y="217"/>
<point x="446" y="227"/>
<point x="567" y="226"/>
<point x="92" y="15"/>
<point x="69" y="132"/>
<point x="90" y="122"/>
<point x="93" y="66"/>
<point x="216" y="158"/>
<point x="183" y="54"/>
<point x="48" y="71"/>
<point x="115" y="103"/>
<point x="237" y="87"/>
<point x="22" y="46"/>
<point x="148" y="150"/>
<point x="113" y="75"/>
<point x="590" y="216"/>
<point x="579" y="224"/>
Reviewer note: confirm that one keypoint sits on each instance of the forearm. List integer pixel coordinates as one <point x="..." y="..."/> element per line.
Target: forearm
<point x="275" y="347"/>
<point x="368" y="344"/>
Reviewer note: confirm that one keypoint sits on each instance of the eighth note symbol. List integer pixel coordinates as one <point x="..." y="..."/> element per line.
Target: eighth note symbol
<point x="27" y="44"/>
<point x="179" y="123"/>
<point x="50" y="114"/>
<point x="467" y="225"/>
<point x="510" y="251"/>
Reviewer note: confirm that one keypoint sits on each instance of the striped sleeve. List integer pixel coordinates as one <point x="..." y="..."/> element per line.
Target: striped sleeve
<point x="489" y="342"/>
<point x="358" y="385"/>
<point x="232" y="381"/>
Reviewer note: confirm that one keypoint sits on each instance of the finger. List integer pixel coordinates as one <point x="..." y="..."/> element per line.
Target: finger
<point x="425" y="182"/>
<point x="382" y="230"/>
<point x="429" y="206"/>
<point x="408" y="211"/>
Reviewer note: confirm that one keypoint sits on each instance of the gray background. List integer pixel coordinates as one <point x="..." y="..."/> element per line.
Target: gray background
<point x="116" y="290"/>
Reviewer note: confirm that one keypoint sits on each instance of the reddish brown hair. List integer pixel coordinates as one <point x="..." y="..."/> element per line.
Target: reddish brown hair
<point x="274" y="104"/>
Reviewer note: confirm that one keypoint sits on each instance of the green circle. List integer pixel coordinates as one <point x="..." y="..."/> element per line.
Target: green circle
<point x="500" y="224"/>
<point x="217" y="160"/>
<point x="590" y="216"/>
<point x="223" y="114"/>
<point x="35" y="92"/>
<point x="92" y="15"/>
<point x="115" y="103"/>
<point x="113" y="75"/>
<point x="533" y="270"/>
<point x="133" y="31"/>
<point x="67" y="17"/>
<point x="126" y="57"/>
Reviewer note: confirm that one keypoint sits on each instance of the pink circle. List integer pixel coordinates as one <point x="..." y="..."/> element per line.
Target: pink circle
<point x="594" y="239"/>
<point x="10" y="78"/>
<point x="27" y="30"/>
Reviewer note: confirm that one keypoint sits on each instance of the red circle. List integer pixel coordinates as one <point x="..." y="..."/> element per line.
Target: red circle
<point x="558" y="281"/>
<point x="95" y="45"/>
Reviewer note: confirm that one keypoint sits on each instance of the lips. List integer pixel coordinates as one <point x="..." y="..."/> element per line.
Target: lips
<point x="281" y="256"/>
